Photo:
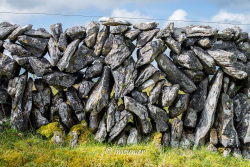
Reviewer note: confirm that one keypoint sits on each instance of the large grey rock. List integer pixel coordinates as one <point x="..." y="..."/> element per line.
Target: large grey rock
<point x="56" y="30"/>
<point x="160" y="117"/>
<point x="16" y="49"/>
<point x="145" y="36"/>
<point x="166" y="139"/>
<point x="166" y="32"/>
<point x="95" y="69"/>
<point x="99" y="97"/>
<point x="187" y="140"/>
<point x="228" y="61"/>
<point x="179" y="34"/>
<point x="37" y="46"/>
<point x="132" y="34"/>
<point x="120" y="29"/>
<point x="109" y="21"/>
<point x="110" y="120"/>
<point x="81" y="58"/>
<point x="121" y="139"/>
<point x="54" y="52"/>
<point x="133" y="137"/>
<point x="144" y="74"/>
<point x="187" y="59"/>
<point x="6" y="29"/>
<point x="206" y="60"/>
<point x="68" y="53"/>
<point x="75" y="103"/>
<point x="141" y="112"/>
<point x="195" y="76"/>
<point x="62" y="42"/>
<point x="65" y="114"/>
<point x="208" y="113"/>
<point x="16" y="89"/>
<point x="92" y="30"/>
<point x="8" y="67"/>
<point x="101" y="133"/>
<point x="19" y="31"/>
<point x="227" y="133"/>
<point x="101" y="38"/>
<point x="85" y="88"/>
<point x="37" y="119"/>
<point x="242" y="115"/>
<point x="145" y="26"/>
<point x="205" y="43"/>
<point x="173" y="74"/>
<point x="179" y="106"/>
<point x="200" y="31"/>
<point x="23" y="62"/>
<point x="155" y="93"/>
<point x="124" y="77"/>
<point x="169" y="93"/>
<point x="76" y="32"/>
<point x="141" y="97"/>
<point x="119" y="52"/>
<point x="125" y="116"/>
<point x="60" y="79"/>
<point x="149" y="52"/>
<point x="173" y="45"/>
<point x="108" y="45"/>
<point x="176" y="132"/>
<point x="40" y="66"/>
<point x="39" y="33"/>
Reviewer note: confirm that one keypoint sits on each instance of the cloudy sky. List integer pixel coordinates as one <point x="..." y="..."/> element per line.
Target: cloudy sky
<point x="234" y="11"/>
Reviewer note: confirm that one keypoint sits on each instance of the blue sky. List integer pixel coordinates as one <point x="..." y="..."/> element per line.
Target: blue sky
<point x="235" y="11"/>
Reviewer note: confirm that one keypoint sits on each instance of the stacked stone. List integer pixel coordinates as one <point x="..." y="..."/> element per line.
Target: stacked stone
<point x="122" y="81"/>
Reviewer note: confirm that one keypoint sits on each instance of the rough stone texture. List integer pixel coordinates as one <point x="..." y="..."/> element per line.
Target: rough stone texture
<point x="169" y="93"/>
<point x="140" y="111"/>
<point x="208" y="113"/>
<point x="56" y="30"/>
<point x="92" y="30"/>
<point x="145" y="36"/>
<point x="145" y="74"/>
<point x="176" y="132"/>
<point x="180" y="106"/>
<point x="174" y="75"/>
<point x="101" y="38"/>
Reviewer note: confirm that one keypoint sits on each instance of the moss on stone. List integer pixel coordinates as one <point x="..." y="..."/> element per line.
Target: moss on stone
<point x="49" y="129"/>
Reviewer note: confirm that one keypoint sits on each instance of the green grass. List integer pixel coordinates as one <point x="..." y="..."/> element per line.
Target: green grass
<point x="29" y="149"/>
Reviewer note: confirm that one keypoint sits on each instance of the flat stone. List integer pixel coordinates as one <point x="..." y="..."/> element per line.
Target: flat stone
<point x="99" y="97"/>
<point x="40" y="66"/>
<point x="173" y="45"/>
<point x="85" y="88"/>
<point x="145" y="36"/>
<point x="120" y="29"/>
<point x="60" y="79"/>
<point x="109" y="21"/>
<point x="200" y="31"/>
<point x="174" y="75"/>
<point x="75" y="103"/>
<point x="132" y="34"/>
<point x="56" y="30"/>
<point x="155" y="93"/>
<point x="8" y="67"/>
<point x="119" y="52"/>
<point x="141" y="97"/>
<point x="65" y="115"/>
<point x="160" y="118"/>
<point x="229" y="64"/>
<point x="19" y="31"/>
<point x="149" y="52"/>
<point x="179" y="106"/>
<point x="76" y="32"/>
<point x="68" y="53"/>
<point x="124" y="77"/>
<point x="145" y="26"/>
<point x="95" y="69"/>
<point x="101" y="38"/>
<point x="169" y="94"/>
<point x="144" y="74"/>
<point x="6" y="29"/>
<point x="16" y="49"/>
<point x="39" y="33"/>
<point x="82" y="57"/>
<point x="166" y="32"/>
<point x="141" y="112"/>
<point x="176" y="132"/>
<point x="188" y="59"/>
<point x="92" y="30"/>
<point x="208" y="113"/>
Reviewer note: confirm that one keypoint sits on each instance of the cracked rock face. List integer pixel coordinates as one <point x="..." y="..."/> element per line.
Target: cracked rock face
<point x="140" y="111"/>
<point x="99" y="97"/>
<point x="160" y="117"/>
<point x="174" y="75"/>
<point x="124" y="77"/>
<point x="229" y="64"/>
<point x="208" y="113"/>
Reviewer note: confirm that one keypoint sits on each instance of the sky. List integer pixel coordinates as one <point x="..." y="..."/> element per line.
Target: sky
<point x="233" y="11"/>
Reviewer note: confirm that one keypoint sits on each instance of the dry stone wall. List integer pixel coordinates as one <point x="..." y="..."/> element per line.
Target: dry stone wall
<point x="121" y="79"/>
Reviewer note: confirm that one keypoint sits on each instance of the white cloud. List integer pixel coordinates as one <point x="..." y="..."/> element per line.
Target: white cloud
<point x="129" y="14"/>
<point x="179" y="14"/>
<point x="228" y="17"/>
